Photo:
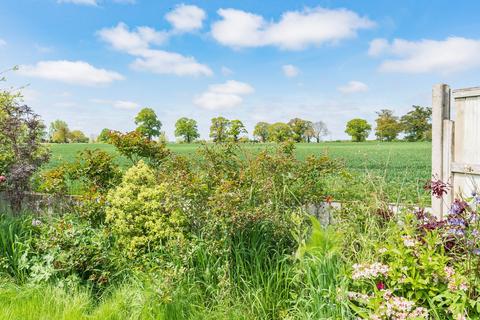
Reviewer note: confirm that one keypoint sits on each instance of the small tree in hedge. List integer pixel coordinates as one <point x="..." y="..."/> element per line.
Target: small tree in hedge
<point x="21" y="149"/>
<point x="135" y="147"/>
<point x="358" y="129"/>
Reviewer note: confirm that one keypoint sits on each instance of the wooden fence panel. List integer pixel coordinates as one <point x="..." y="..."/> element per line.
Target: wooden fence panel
<point x="455" y="144"/>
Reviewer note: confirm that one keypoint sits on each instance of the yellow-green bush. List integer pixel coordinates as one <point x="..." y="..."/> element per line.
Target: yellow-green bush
<point x="145" y="213"/>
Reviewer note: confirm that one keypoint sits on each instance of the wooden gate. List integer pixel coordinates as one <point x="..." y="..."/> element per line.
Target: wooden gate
<point x="455" y="144"/>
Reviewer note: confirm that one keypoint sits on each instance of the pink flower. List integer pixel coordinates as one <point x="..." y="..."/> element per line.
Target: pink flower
<point x="3" y="179"/>
<point x="380" y="286"/>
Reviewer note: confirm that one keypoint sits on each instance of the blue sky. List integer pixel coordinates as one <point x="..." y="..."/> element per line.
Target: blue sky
<point x="95" y="63"/>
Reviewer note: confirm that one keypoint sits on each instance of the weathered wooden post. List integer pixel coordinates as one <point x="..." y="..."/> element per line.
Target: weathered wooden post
<point x="441" y="140"/>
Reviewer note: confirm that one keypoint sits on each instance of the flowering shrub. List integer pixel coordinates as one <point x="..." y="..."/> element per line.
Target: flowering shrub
<point x="427" y="265"/>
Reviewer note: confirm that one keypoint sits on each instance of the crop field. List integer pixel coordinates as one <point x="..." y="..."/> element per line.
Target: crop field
<point x="402" y="166"/>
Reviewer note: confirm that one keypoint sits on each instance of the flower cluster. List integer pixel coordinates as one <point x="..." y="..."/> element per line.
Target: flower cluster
<point x="408" y="241"/>
<point x="369" y="271"/>
<point x="399" y="308"/>
<point x="3" y="179"/>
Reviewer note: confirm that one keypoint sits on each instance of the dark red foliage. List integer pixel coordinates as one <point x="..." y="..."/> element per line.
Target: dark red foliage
<point x="437" y="187"/>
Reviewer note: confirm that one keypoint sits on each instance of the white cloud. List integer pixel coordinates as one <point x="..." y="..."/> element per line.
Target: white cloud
<point x="132" y="42"/>
<point x="137" y="43"/>
<point x="353" y="87"/>
<point x="223" y="96"/>
<point x="118" y="104"/>
<point x="294" y="31"/>
<point x="2" y="42"/>
<point x="445" y="56"/>
<point x="73" y="72"/>
<point x="186" y="18"/>
<point x="377" y="47"/>
<point x="290" y="70"/>
<point x="164" y="62"/>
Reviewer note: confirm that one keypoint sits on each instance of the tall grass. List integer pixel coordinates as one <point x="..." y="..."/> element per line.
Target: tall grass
<point x="14" y="234"/>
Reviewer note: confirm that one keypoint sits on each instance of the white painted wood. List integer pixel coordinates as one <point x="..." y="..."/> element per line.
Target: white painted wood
<point x="467" y="92"/>
<point x="447" y="159"/>
<point x="466" y="168"/>
<point x="466" y="160"/>
<point x="440" y="112"/>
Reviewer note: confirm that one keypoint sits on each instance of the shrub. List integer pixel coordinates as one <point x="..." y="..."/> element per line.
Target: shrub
<point x="69" y="246"/>
<point x="135" y="147"/>
<point x="21" y="149"/>
<point x="145" y="213"/>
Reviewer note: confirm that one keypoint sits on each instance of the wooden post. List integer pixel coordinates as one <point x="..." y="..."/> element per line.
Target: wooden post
<point x="440" y="112"/>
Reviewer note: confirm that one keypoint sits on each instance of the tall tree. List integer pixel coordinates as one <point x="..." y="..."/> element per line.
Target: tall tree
<point x="309" y="131"/>
<point x="388" y="127"/>
<point x="186" y="128"/>
<point x="320" y="130"/>
<point x="417" y="124"/>
<point x="77" y="136"/>
<point x="261" y="131"/>
<point x="236" y="128"/>
<point x="279" y="132"/>
<point x="358" y="129"/>
<point x="104" y="135"/>
<point x="147" y="123"/>
<point x="59" y="131"/>
<point x="219" y="129"/>
<point x="298" y="126"/>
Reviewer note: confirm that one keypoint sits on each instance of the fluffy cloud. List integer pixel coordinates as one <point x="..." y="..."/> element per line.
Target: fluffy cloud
<point x="290" y="70"/>
<point x="164" y="62"/>
<point x="138" y="44"/>
<point x="118" y="104"/>
<point x="353" y="87"/>
<point x="377" y="46"/>
<point x="294" y="31"/>
<point x="223" y="96"/>
<point x="73" y="72"/>
<point x="186" y="18"/>
<point x="445" y="56"/>
<point x="132" y="42"/>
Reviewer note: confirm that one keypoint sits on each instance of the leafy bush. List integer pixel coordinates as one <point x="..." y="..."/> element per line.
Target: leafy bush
<point x="21" y="148"/>
<point x="136" y="146"/>
<point x="145" y="213"/>
<point x="68" y="246"/>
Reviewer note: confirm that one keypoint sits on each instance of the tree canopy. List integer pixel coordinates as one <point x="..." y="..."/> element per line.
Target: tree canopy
<point x="388" y="127"/>
<point x="417" y="124"/>
<point x="261" y="131"/>
<point x="147" y="123"/>
<point x="59" y="132"/>
<point x="187" y="129"/>
<point x="358" y="129"/>
<point x="219" y="129"/>
<point x="279" y="132"/>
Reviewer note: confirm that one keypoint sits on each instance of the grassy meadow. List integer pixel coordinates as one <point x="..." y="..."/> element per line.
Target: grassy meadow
<point x="401" y="167"/>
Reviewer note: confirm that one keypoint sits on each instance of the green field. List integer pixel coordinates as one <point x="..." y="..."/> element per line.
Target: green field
<point x="404" y="166"/>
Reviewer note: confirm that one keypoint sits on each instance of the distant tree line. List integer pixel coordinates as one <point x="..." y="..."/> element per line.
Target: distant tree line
<point x="415" y="126"/>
